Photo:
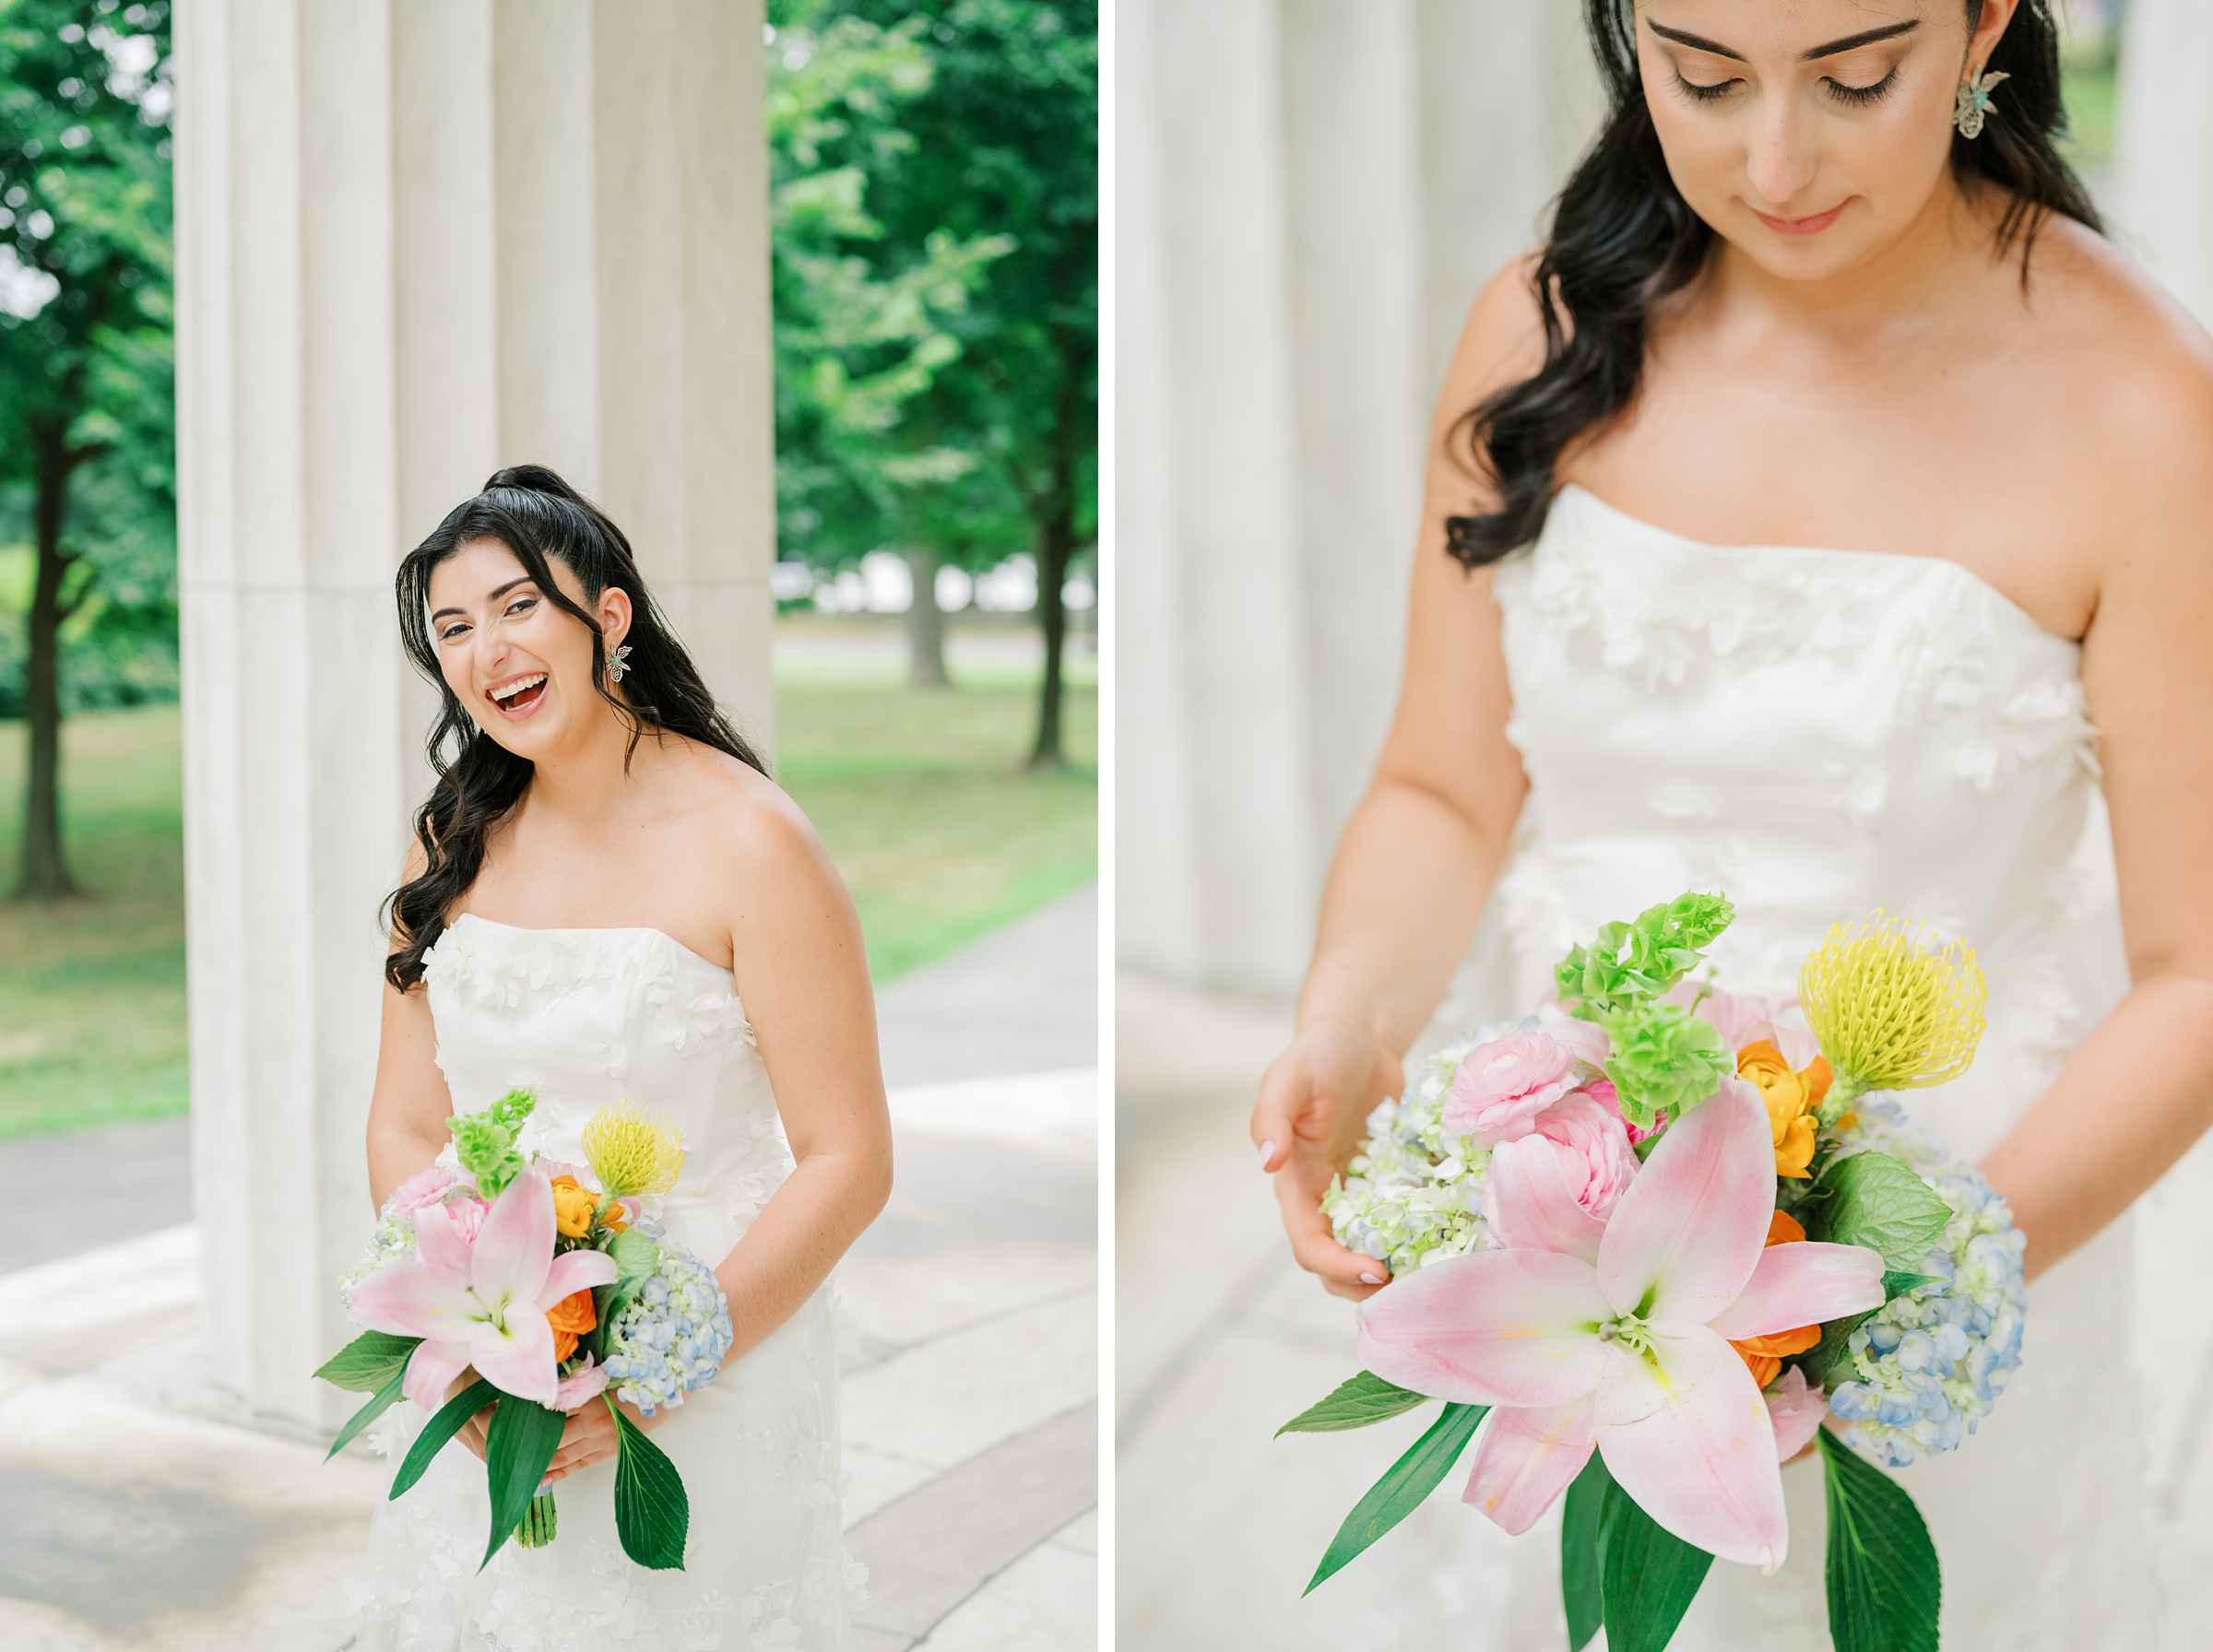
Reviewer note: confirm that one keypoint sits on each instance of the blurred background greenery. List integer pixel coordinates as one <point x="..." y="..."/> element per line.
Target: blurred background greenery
<point x="935" y="251"/>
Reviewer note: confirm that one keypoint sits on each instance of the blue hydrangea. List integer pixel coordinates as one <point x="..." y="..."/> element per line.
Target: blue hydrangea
<point x="392" y="1241"/>
<point x="1920" y="1373"/>
<point x="672" y="1336"/>
<point x="1413" y="1192"/>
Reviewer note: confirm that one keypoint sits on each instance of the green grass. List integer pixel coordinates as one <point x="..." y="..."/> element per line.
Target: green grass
<point x="939" y="831"/>
<point x="92" y="991"/>
<point x="940" y="834"/>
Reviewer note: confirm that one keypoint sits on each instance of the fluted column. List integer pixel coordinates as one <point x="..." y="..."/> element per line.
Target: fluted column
<point x="1310" y="194"/>
<point x="417" y="240"/>
<point x="2162" y="186"/>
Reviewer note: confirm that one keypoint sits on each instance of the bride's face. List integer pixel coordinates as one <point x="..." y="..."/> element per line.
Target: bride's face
<point x="1809" y="133"/>
<point x="522" y="665"/>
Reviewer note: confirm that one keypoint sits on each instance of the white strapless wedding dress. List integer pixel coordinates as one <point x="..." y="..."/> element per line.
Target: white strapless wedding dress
<point x="1819" y="733"/>
<point x="586" y="1017"/>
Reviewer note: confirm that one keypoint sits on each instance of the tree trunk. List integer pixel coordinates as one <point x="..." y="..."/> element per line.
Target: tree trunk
<point x="45" y="872"/>
<point x="1053" y="512"/>
<point x="924" y="624"/>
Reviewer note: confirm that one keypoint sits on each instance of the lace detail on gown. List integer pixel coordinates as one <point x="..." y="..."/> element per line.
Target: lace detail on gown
<point x="1820" y="732"/>
<point x="588" y="1017"/>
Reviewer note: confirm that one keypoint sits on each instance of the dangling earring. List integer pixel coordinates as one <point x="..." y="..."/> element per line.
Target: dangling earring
<point x="616" y="664"/>
<point x="1973" y="105"/>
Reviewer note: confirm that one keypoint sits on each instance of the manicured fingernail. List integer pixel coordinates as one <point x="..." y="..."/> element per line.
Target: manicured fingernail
<point x="1267" y="1152"/>
<point x="1369" y="1278"/>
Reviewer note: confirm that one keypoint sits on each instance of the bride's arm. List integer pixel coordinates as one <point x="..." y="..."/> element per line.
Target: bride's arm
<point x="408" y="1106"/>
<point x="2138" y="1091"/>
<point x="1418" y="857"/>
<point x="803" y="978"/>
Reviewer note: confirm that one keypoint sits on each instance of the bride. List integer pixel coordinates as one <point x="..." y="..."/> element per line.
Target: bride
<point x="608" y="898"/>
<point x="1823" y="515"/>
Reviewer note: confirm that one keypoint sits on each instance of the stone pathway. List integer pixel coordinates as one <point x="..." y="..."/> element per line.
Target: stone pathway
<point x="144" y="1510"/>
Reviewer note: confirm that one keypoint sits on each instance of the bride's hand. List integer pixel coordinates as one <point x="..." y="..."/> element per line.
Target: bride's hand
<point x="1314" y="1101"/>
<point x="590" y="1436"/>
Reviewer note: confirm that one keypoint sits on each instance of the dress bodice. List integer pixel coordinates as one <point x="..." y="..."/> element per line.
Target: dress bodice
<point x="1815" y="733"/>
<point x="587" y="1016"/>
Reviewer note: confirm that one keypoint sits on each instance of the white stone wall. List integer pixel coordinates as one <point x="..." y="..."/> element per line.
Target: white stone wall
<point x="1309" y="195"/>
<point x="418" y="240"/>
<point x="2161" y="187"/>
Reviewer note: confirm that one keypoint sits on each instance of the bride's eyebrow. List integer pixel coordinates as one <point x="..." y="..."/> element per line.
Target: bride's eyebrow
<point x="1851" y="42"/>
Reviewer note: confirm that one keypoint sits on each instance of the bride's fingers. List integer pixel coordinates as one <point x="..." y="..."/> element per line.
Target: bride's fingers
<point x="1285" y="1090"/>
<point x="1345" y="1273"/>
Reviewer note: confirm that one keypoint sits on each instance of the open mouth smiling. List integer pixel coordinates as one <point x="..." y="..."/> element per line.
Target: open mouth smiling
<point x="518" y="696"/>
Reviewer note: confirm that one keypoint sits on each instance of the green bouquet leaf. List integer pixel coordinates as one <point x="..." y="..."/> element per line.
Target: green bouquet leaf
<point x="1582" y="1562"/>
<point x="379" y="1403"/>
<point x="1400" y="1491"/>
<point x="441" y="1428"/>
<point x="1884" y="1586"/>
<point x="1649" y="1576"/>
<point x="653" y="1516"/>
<point x="1354" y="1403"/>
<point x="1875" y="1200"/>
<point x="369" y="1363"/>
<point x="517" y="1448"/>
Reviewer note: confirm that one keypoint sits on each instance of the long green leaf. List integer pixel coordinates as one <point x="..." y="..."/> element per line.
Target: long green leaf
<point x="1651" y="1576"/>
<point x="1884" y="1584"/>
<point x="441" y="1428"/>
<point x="1354" y="1403"/>
<point x="652" y="1513"/>
<point x="1582" y="1571"/>
<point x="378" y="1404"/>
<point x="1400" y="1491"/>
<point x="365" y="1364"/>
<point x="522" y="1440"/>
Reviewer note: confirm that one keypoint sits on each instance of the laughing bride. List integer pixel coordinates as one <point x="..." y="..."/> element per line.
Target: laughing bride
<point x="1817" y="516"/>
<point x="608" y="899"/>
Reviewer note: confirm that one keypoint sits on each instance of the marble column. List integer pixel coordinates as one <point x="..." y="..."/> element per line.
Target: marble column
<point x="418" y="240"/>
<point x="1310" y="194"/>
<point x="2161" y="185"/>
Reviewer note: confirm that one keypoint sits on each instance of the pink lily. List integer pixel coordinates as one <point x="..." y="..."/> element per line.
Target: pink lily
<point x="1615" y="1334"/>
<point x="482" y="1302"/>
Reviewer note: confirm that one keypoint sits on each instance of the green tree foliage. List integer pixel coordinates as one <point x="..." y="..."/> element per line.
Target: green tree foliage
<point x="984" y="144"/>
<point x="87" y="397"/>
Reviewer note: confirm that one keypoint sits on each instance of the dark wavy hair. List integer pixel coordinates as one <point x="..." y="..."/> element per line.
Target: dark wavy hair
<point x="1624" y="239"/>
<point x="540" y="518"/>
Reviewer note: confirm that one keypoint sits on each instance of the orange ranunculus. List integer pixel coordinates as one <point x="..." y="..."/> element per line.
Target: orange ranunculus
<point x="1763" y="1356"/>
<point x="1791" y="1098"/>
<point x="574" y="1204"/>
<point x="570" y="1317"/>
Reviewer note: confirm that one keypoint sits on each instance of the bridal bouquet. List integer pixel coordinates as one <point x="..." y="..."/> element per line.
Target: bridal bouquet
<point x="547" y="1280"/>
<point x="1657" y="1233"/>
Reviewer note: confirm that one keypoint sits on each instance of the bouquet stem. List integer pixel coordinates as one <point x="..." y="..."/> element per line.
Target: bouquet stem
<point x="536" y="1527"/>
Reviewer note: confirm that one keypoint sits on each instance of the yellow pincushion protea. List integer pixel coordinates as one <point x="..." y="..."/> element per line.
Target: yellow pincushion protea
<point x="1894" y="1006"/>
<point x="634" y="1151"/>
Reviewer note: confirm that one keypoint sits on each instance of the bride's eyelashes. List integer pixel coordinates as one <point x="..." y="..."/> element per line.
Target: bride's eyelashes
<point x="516" y="610"/>
<point x="1859" y="97"/>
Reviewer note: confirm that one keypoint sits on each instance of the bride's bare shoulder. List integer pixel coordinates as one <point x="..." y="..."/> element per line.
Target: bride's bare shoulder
<point x="2118" y="343"/>
<point x="1502" y="342"/>
<point x="747" y="829"/>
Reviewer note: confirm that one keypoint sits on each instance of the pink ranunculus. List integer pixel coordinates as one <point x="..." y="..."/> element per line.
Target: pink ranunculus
<point x="424" y="1188"/>
<point x="1603" y="1092"/>
<point x="1795" y="1408"/>
<point x="1579" y="1152"/>
<point x="1501" y="1086"/>
<point x="590" y="1380"/>
<point x="1616" y="1335"/>
<point x="468" y="1214"/>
